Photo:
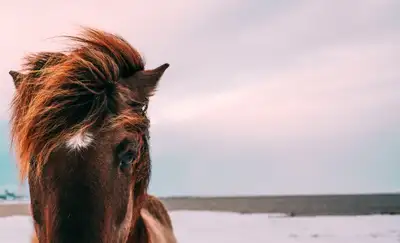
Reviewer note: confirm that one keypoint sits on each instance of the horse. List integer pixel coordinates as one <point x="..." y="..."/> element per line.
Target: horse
<point x="80" y="129"/>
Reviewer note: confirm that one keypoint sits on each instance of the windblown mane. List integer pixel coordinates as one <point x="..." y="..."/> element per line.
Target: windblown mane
<point x="61" y="95"/>
<point x="36" y="62"/>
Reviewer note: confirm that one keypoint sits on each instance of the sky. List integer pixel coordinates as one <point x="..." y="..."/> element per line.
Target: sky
<point x="262" y="97"/>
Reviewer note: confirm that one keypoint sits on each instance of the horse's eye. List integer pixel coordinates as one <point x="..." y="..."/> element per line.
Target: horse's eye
<point x="138" y="106"/>
<point x="127" y="159"/>
<point x="144" y="108"/>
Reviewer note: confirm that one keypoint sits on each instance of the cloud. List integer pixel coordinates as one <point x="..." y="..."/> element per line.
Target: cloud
<point x="330" y="87"/>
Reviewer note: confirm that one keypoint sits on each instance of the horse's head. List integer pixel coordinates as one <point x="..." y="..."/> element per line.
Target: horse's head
<point x="80" y="130"/>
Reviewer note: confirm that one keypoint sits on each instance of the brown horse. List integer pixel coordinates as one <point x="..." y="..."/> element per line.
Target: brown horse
<point x="81" y="132"/>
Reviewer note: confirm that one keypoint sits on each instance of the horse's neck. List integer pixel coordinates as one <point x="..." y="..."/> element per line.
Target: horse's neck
<point x="157" y="233"/>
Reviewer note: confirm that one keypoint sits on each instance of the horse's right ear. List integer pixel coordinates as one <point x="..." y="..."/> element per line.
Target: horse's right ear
<point x="145" y="81"/>
<point x="16" y="77"/>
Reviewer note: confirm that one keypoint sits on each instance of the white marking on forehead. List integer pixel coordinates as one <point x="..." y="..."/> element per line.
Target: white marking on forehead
<point x="80" y="140"/>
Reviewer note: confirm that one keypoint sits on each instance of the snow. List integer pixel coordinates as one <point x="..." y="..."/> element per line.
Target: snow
<point x="200" y="227"/>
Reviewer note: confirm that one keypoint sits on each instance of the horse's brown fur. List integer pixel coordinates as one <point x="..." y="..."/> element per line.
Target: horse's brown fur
<point x="98" y="87"/>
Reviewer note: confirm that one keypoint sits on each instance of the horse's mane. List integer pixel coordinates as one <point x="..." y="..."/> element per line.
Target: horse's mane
<point x="62" y="94"/>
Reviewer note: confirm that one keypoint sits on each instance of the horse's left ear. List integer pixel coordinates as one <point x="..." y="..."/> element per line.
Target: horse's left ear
<point x="146" y="81"/>
<point x="17" y="76"/>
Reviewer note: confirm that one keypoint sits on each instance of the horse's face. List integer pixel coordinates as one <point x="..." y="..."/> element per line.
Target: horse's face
<point x="92" y="185"/>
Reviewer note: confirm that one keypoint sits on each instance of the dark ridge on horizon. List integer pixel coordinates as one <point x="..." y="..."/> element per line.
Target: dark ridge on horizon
<point x="277" y="195"/>
<point x="293" y="205"/>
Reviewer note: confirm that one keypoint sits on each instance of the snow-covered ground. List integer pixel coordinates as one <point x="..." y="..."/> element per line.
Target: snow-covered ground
<point x="210" y="227"/>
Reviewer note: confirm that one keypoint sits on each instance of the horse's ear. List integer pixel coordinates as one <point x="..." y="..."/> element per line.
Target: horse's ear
<point x="17" y="76"/>
<point x="146" y="81"/>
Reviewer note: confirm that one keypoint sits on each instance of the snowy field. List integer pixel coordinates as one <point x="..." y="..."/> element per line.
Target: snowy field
<point x="210" y="227"/>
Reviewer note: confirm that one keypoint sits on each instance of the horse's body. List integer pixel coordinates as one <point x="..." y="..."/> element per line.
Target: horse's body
<point x="80" y="128"/>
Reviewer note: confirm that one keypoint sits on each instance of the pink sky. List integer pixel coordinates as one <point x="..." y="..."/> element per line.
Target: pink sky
<point x="284" y="77"/>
